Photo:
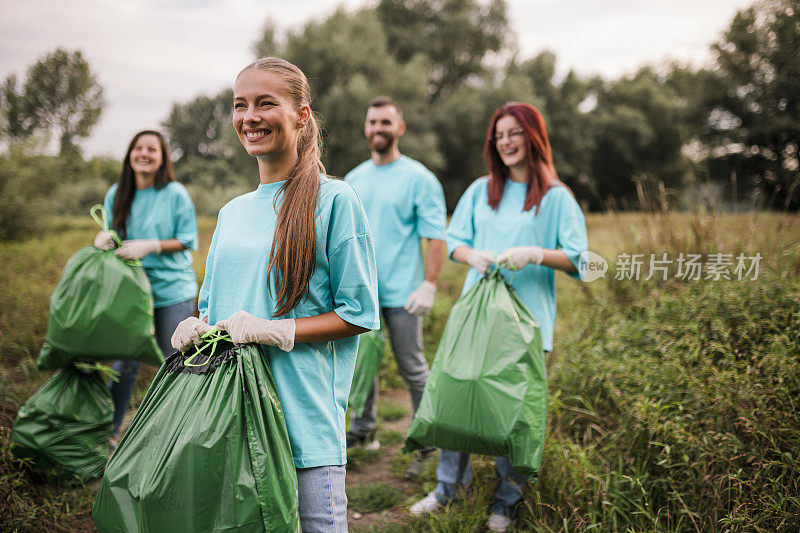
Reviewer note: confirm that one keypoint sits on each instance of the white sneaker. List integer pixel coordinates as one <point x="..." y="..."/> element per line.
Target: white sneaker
<point x="428" y="504"/>
<point x="498" y="522"/>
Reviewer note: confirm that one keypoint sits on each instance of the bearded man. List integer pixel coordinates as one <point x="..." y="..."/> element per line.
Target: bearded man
<point x="405" y="205"/>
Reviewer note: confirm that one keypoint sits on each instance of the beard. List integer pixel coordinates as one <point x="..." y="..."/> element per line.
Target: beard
<point x="381" y="143"/>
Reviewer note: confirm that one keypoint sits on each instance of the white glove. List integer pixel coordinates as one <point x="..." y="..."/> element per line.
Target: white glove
<point x="420" y="301"/>
<point x="188" y="333"/>
<point x="138" y="248"/>
<point x="520" y="256"/>
<point x="480" y="260"/>
<point x="104" y="241"/>
<point x="244" y="327"/>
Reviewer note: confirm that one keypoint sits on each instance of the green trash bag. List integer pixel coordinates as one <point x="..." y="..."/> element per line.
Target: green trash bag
<point x="208" y="450"/>
<point x="101" y="309"/>
<point x="487" y="391"/>
<point x="65" y="426"/>
<point x="371" y="348"/>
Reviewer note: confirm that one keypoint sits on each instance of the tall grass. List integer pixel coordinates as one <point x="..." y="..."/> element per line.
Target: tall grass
<point x="673" y="403"/>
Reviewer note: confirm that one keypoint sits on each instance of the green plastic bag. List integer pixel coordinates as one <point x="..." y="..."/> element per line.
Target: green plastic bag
<point x="208" y="450"/>
<point x="65" y="426"/>
<point x="371" y="348"/>
<point x="101" y="309"/>
<point x="487" y="391"/>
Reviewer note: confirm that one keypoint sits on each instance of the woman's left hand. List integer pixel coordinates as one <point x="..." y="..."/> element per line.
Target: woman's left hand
<point x="244" y="327"/>
<point x="520" y="256"/>
<point x="138" y="248"/>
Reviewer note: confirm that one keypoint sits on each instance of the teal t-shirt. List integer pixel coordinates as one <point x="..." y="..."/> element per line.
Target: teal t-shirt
<point x="313" y="380"/>
<point x="166" y="213"/>
<point x="404" y="202"/>
<point x="558" y="224"/>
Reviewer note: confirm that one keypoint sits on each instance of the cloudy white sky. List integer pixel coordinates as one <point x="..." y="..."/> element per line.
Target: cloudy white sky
<point x="150" y="53"/>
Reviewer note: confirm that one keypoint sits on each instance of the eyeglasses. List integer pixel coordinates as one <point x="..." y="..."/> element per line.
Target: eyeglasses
<point x="516" y="134"/>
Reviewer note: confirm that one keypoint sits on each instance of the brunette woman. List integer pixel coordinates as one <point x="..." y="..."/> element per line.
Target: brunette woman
<point x="155" y="217"/>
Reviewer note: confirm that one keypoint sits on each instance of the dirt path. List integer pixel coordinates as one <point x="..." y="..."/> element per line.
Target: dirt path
<point x="383" y="468"/>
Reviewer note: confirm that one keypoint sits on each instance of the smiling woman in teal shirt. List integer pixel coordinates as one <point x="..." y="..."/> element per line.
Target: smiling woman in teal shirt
<point x="525" y="221"/>
<point x="292" y="267"/>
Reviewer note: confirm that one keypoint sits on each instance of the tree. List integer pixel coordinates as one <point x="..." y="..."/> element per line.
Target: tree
<point x="457" y="36"/>
<point x="750" y="102"/>
<point x="195" y="128"/>
<point x="347" y="62"/>
<point x="60" y="94"/>
<point x="636" y="136"/>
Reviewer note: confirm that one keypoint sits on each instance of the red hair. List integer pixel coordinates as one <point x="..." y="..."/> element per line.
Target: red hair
<point x="541" y="173"/>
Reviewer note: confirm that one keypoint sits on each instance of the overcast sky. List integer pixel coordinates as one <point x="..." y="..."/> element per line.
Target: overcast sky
<point x="148" y="54"/>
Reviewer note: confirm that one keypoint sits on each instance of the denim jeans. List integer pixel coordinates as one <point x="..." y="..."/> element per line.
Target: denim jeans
<point x="455" y="472"/>
<point x="323" y="502"/>
<point x="166" y="320"/>
<point x="405" y="335"/>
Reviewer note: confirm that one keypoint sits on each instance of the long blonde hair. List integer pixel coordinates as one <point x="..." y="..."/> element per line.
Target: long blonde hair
<point x="294" y="245"/>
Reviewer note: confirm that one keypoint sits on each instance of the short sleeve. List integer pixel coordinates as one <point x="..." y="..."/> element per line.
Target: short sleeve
<point x="430" y="208"/>
<point x="185" y="219"/>
<point x="108" y="203"/>
<point x="351" y="259"/>
<point x="205" y="289"/>
<point x="572" y="238"/>
<point x="461" y="231"/>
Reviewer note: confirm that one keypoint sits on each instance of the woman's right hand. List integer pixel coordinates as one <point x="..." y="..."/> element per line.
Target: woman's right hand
<point x="188" y="333"/>
<point x="481" y="260"/>
<point x="104" y="241"/>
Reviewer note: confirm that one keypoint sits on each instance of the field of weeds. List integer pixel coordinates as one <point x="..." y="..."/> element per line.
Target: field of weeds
<point x="674" y="403"/>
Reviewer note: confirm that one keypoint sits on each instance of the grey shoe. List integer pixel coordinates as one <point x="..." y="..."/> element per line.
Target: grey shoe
<point x="418" y="464"/>
<point x="367" y="442"/>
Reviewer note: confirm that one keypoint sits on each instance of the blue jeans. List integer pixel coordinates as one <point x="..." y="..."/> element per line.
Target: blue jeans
<point x="323" y="502"/>
<point x="455" y="472"/>
<point x="166" y="320"/>
<point x="405" y="335"/>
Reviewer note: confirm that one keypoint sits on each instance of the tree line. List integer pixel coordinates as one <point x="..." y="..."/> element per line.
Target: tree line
<point x="670" y="132"/>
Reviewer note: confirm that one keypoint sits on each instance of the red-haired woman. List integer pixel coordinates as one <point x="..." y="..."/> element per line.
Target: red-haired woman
<point x="522" y="218"/>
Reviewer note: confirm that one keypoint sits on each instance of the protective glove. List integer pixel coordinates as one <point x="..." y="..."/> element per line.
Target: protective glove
<point x="138" y="248"/>
<point x="188" y="333"/>
<point x="480" y="260"/>
<point x="104" y="241"/>
<point x="420" y="301"/>
<point x="520" y="256"/>
<point x="244" y="327"/>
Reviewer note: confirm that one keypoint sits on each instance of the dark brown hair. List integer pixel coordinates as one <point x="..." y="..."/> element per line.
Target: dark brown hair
<point x="126" y="187"/>
<point x="293" y="255"/>
<point x="541" y="173"/>
<point x="382" y="101"/>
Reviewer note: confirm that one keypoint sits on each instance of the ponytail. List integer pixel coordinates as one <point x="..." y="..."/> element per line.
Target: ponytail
<point x="293" y="256"/>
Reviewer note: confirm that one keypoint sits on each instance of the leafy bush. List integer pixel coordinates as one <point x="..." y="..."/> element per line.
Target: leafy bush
<point x="678" y="410"/>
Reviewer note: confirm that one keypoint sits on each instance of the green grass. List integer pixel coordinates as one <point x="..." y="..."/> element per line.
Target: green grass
<point x="388" y="437"/>
<point x="357" y="458"/>
<point x="373" y="497"/>
<point x="390" y="412"/>
<point x="673" y="405"/>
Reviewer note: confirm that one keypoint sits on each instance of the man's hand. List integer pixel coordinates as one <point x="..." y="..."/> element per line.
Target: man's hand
<point x="420" y="302"/>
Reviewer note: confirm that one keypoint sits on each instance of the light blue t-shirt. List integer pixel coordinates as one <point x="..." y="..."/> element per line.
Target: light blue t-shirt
<point x="558" y="224"/>
<point x="166" y="213"/>
<point x="313" y="380"/>
<point x="404" y="202"/>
